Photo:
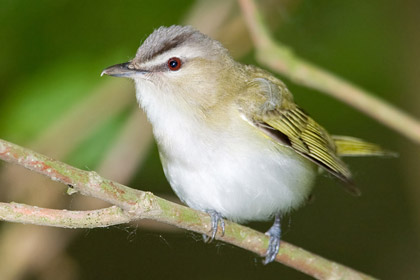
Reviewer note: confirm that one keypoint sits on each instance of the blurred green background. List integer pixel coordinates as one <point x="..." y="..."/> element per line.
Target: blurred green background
<point x="53" y="100"/>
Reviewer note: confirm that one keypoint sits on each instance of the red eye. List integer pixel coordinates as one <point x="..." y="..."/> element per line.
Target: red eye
<point x="174" y="63"/>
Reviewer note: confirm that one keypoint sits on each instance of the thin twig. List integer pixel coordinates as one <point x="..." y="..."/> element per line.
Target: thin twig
<point x="144" y="205"/>
<point x="26" y="214"/>
<point x="281" y="59"/>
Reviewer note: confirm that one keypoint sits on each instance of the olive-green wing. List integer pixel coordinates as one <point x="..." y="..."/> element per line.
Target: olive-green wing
<point x="278" y="117"/>
<point x="350" y="146"/>
<point x="294" y="128"/>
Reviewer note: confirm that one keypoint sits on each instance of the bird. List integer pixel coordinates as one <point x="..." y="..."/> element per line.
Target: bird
<point x="231" y="139"/>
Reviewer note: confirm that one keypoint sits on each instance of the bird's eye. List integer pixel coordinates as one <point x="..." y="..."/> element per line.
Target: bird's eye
<point x="174" y="63"/>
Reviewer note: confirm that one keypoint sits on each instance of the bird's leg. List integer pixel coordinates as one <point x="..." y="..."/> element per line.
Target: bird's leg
<point x="274" y="244"/>
<point x="216" y="219"/>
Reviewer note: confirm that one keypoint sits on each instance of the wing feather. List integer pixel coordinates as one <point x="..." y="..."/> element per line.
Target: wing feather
<point x="277" y="116"/>
<point x="307" y="138"/>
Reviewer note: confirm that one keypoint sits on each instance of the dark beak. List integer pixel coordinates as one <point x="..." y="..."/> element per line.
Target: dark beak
<point x="122" y="70"/>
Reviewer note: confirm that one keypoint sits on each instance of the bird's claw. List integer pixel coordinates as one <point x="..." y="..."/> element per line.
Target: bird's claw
<point x="274" y="244"/>
<point x="216" y="219"/>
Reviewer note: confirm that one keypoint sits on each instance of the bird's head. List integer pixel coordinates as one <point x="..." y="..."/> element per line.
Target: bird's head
<point x="181" y="66"/>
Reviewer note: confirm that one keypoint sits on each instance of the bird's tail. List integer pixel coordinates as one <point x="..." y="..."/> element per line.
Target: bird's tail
<point x="349" y="146"/>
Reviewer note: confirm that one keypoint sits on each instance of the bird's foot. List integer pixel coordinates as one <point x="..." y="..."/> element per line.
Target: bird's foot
<point x="274" y="244"/>
<point x="216" y="219"/>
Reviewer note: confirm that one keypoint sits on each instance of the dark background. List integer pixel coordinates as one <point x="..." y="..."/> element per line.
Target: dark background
<point x="53" y="100"/>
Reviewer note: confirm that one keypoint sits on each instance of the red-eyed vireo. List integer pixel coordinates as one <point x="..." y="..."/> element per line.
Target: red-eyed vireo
<point x="231" y="139"/>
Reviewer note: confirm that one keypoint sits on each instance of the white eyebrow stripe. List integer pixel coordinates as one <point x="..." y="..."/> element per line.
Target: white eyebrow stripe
<point x="183" y="52"/>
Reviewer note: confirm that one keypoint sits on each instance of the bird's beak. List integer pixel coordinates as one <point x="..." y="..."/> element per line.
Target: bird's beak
<point x="122" y="70"/>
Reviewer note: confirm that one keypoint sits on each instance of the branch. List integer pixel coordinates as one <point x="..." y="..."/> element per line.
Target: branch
<point x="26" y="214"/>
<point x="280" y="58"/>
<point x="135" y="204"/>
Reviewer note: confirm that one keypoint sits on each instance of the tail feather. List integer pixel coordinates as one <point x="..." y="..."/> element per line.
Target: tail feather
<point x="350" y="146"/>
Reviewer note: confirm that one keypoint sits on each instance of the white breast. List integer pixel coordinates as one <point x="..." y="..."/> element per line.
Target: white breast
<point x="236" y="172"/>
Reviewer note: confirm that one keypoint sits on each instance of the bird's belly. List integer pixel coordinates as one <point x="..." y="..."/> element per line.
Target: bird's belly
<point x="243" y="182"/>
